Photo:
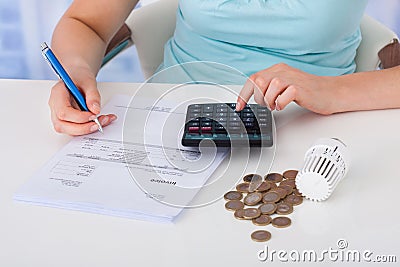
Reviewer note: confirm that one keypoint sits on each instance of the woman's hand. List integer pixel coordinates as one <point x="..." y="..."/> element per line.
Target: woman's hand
<point x="66" y="116"/>
<point x="281" y="84"/>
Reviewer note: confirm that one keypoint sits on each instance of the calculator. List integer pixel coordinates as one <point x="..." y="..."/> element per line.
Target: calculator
<point x="225" y="127"/>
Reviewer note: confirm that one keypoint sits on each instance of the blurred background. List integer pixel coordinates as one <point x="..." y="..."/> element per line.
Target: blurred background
<point x="25" y="24"/>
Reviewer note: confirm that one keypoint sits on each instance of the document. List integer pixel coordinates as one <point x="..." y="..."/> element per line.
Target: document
<point x="139" y="172"/>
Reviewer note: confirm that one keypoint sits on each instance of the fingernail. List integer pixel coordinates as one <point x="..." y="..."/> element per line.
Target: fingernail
<point x="113" y="118"/>
<point x="277" y="107"/>
<point x="92" y="118"/>
<point x="94" y="128"/>
<point x="104" y="120"/>
<point x="238" y="106"/>
<point x="96" y="107"/>
<point x="267" y="105"/>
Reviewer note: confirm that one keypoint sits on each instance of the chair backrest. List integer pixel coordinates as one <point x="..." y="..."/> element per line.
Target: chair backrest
<point x="375" y="36"/>
<point x="152" y="25"/>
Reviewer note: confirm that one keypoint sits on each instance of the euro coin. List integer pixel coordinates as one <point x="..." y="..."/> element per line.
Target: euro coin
<point x="281" y="222"/>
<point x="239" y="214"/>
<point x="261" y="236"/>
<point x="287" y="188"/>
<point x="271" y="197"/>
<point x="233" y="195"/>
<point x="291" y="183"/>
<point x="251" y="213"/>
<point x="290" y="174"/>
<point x="281" y="192"/>
<point x="263" y="220"/>
<point x="284" y="208"/>
<point x="264" y="186"/>
<point x="250" y="177"/>
<point x="253" y="199"/>
<point x="234" y="205"/>
<point x="293" y="200"/>
<point x="268" y="208"/>
<point x="274" y="177"/>
<point x="243" y="187"/>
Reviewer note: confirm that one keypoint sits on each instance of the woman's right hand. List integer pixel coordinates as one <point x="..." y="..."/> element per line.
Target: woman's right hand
<point x="66" y="116"/>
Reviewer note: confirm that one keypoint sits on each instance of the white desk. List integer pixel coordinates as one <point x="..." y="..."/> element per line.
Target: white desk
<point x="363" y="210"/>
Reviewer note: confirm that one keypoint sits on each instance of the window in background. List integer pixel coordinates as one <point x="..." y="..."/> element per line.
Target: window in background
<point x="24" y="24"/>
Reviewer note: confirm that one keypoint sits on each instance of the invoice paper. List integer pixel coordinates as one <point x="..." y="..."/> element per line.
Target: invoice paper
<point x="140" y="172"/>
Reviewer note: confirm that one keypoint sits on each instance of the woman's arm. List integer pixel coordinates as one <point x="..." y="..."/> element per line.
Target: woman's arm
<point x="79" y="41"/>
<point x="277" y="86"/>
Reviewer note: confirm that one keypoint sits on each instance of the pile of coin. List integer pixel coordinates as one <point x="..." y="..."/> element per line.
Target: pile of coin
<point x="264" y="200"/>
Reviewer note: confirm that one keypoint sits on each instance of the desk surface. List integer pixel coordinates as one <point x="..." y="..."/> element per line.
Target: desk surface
<point x="363" y="209"/>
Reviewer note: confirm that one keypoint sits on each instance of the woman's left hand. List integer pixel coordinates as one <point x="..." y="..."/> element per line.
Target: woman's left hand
<point x="281" y="84"/>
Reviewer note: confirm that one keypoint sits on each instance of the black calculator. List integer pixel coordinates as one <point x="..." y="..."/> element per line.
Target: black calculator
<point x="222" y="124"/>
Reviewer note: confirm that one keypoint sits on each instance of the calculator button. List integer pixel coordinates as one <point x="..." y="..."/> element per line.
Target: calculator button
<point x="248" y="115"/>
<point x="248" y="119"/>
<point x="247" y="110"/>
<point x="221" y="115"/>
<point x="236" y="118"/>
<point x="194" y="129"/>
<point x="208" y="108"/>
<point x="193" y="124"/>
<point x="262" y="114"/>
<point x="206" y="124"/>
<point x="249" y="124"/>
<point x="225" y="109"/>
<point x="206" y="129"/>
<point x="208" y="115"/>
<point x="232" y="105"/>
<point x="235" y="124"/>
<point x="222" y="119"/>
<point x="220" y="129"/>
<point x="206" y="120"/>
<point x="195" y="110"/>
<point x="194" y="115"/>
<point x="234" y="129"/>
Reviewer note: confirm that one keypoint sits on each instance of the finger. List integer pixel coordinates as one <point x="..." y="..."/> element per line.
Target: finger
<point x="76" y="129"/>
<point x="92" y="95"/>
<point x="261" y="86"/>
<point x="286" y="97"/>
<point x="275" y="88"/>
<point x="62" y="108"/>
<point x="245" y="94"/>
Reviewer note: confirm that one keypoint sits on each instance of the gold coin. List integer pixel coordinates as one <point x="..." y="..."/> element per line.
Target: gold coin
<point x="281" y="222"/>
<point x="293" y="200"/>
<point x="268" y="208"/>
<point x="251" y="213"/>
<point x="253" y="199"/>
<point x="274" y="177"/>
<point x="250" y="177"/>
<point x="234" y="205"/>
<point x="243" y="187"/>
<point x="290" y="174"/>
<point x="264" y="186"/>
<point x="233" y="195"/>
<point x="263" y="220"/>
<point x="261" y="236"/>
<point x="239" y="214"/>
<point x="281" y="192"/>
<point x="284" y="208"/>
<point x="271" y="197"/>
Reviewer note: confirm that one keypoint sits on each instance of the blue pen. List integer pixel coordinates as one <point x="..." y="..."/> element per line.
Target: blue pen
<point x="63" y="75"/>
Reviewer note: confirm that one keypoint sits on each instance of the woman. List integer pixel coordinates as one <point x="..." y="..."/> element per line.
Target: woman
<point x="293" y="50"/>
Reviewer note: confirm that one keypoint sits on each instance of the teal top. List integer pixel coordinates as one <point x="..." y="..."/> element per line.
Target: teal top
<point x="316" y="36"/>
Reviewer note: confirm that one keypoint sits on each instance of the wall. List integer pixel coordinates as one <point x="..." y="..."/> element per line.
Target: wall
<point x="24" y="24"/>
